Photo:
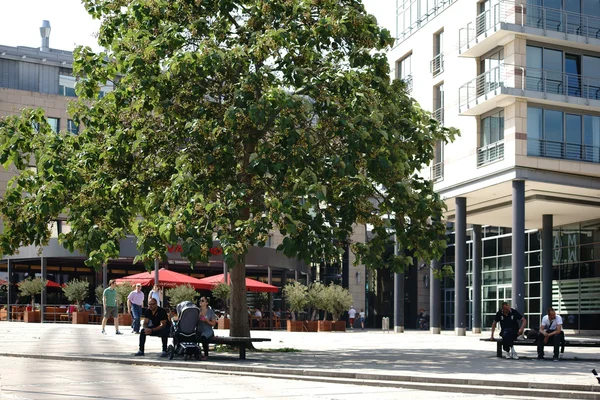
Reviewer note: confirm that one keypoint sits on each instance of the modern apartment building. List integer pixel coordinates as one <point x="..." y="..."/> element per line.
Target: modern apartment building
<point x="521" y="80"/>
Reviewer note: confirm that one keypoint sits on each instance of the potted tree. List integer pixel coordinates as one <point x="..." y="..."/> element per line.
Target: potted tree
<point x="123" y="291"/>
<point x="316" y="301"/>
<point x="76" y="291"/>
<point x="32" y="287"/>
<point x="296" y="295"/>
<point x="222" y="292"/>
<point x="340" y="300"/>
<point x="182" y="293"/>
<point x="325" y="324"/>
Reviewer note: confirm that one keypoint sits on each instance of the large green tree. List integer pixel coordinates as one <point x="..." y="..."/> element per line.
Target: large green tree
<point x="230" y="118"/>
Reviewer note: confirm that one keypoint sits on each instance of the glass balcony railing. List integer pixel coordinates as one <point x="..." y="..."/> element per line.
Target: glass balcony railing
<point x="547" y="19"/>
<point x="492" y="82"/>
<point x="436" y="66"/>
<point x="563" y="150"/>
<point x="490" y="153"/>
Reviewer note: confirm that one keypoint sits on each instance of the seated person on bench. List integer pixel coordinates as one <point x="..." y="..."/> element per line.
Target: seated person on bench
<point x="550" y="333"/>
<point x="154" y="323"/>
<point x="509" y="319"/>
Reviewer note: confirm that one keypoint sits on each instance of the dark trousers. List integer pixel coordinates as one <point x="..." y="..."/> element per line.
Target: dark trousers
<point x="508" y="338"/>
<point x="555" y="341"/>
<point x="204" y="341"/>
<point x="136" y="314"/>
<point x="162" y="333"/>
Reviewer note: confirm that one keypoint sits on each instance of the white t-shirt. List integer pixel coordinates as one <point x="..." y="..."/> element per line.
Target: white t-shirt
<point x="362" y="314"/>
<point x="551" y="326"/>
<point x="352" y="313"/>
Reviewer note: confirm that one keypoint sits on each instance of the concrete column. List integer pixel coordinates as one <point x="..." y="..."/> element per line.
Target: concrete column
<point x="225" y="273"/>
<point x="296" y="275"/>
<point x="43" y="270"/>
<point x="9" y="288"/>
<point x="518" y="246"/>
<point x="398" y="303"/>
<point x="104" y="276"/>
<point x="460" y="267"/>
<point x="477" y="278"/>
<point x="547" y="259"/>
<point x="269" y="281"/>
<point x="435" y="299"/>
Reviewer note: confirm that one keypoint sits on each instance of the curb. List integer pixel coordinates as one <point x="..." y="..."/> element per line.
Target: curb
<point x="431" y="383"/>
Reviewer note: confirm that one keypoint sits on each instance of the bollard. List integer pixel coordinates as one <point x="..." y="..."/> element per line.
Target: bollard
<point x="385" y="324"/>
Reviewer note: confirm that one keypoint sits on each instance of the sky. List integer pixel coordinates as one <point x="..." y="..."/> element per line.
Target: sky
<point x="20" y="21"/>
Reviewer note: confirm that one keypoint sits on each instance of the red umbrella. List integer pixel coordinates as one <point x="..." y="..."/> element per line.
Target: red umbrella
<point x="251" y="284"/>
<point x="52" y="284"/>
<point x="166" y="278"/>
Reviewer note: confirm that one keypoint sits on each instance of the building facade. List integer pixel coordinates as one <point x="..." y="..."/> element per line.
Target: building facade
<point x="521" y="80"/>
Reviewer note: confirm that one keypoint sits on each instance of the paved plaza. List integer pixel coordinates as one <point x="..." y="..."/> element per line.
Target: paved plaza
<point x="411" y="360"/>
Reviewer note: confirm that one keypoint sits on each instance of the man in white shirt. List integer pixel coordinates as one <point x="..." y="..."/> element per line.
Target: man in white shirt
<point x="351" y="316"/>
<point x="550" y="333"/>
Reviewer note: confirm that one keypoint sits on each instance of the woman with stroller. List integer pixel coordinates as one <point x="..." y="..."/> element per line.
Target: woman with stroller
<point x="207" y="320"/>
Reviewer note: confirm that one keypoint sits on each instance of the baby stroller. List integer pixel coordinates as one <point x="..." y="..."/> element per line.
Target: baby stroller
<point x="185" y="338"/>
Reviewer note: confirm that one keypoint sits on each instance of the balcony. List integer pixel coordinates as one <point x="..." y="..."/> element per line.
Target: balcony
<point x="490" y="153"/>
<point x="408" y="81"/>
<point x="544" y="86"/>
<point x="563" y="150"/>
<point x="436" y="66"/>
<point x="506" y="18"/>
<point x="437" y="171"/>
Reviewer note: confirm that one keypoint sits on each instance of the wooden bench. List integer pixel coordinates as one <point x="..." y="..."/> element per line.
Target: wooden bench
<point x="52" y="313"/>
<point x="240" y="342"/>
<point x="533" y="342"/>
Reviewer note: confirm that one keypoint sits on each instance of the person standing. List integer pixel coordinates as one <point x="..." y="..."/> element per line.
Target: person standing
<point x="154" y="323"/>
<point x="206" y="322"/>
<point x="362" y="319"/>
<point x="351" y="316"/>
<point x="110" y="306"/>
<point x="135" y="302"/>
<point x="509" y="319"/>
<point x="157" y="294"/>
<point x="550" y="333"/>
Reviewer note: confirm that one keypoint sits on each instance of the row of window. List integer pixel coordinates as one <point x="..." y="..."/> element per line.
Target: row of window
<point x="72" y="126"/>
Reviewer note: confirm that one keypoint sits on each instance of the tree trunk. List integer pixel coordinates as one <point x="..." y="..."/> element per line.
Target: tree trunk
<point x="239" y="305"/>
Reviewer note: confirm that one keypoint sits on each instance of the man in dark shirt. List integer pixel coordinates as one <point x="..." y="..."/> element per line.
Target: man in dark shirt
<point x="154" y="323"/>
<point x="509" y="319"/>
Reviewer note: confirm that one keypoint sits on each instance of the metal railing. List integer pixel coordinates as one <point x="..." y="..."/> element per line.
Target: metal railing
<point x="563" y="150"/>
<point x="438" y="115"/>
<point x="548" y="19"/>
<point x="436" y="66"/>
<point x="516" y="77"/>
<point x="490" y="153"/>
<point x="437" y="171"/>
<point x="409" y="83"/>
<point x="435" y="7"/>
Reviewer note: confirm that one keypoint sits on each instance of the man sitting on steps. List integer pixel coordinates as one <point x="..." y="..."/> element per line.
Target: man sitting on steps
<point x="550" y="333"/>
<point x="509" y="329"/>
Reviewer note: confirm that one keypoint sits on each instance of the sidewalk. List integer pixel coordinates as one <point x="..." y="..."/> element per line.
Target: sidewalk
<point x="372" y="355"/>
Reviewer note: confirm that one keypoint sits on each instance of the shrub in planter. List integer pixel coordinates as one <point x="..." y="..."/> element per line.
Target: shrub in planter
<point x="338" y="300"/>
<point x="317" y="300"/>
<point x="296" y="295"/>
<point x="32" y="287"/>
<point x="76" y="291"/>
<point x="181" y="293"/>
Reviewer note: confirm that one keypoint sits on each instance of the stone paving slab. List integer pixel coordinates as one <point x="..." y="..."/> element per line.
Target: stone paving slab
<point x="383" y="355"/>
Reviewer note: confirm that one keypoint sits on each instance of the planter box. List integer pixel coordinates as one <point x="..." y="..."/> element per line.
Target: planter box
<point x="294" y="326"/>
<point x="125" y="320"/>
<point x="3" y="314"/>
<point x="311" y="326"/>
<point x="338" y="326"/>
<point x="223" y="323"/>
<point x="80" y="317"/>
<point x="324" y="326"/>
<point x="31" y="316"/>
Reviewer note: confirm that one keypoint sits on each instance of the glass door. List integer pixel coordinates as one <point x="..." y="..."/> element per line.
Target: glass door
<point x="448" y="309"/>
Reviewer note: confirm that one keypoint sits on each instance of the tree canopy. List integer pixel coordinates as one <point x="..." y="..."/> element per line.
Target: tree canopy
<point x="230" y="119"/>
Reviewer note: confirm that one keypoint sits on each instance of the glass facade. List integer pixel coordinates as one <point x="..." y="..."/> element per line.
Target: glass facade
<point x="575" y="280"/>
